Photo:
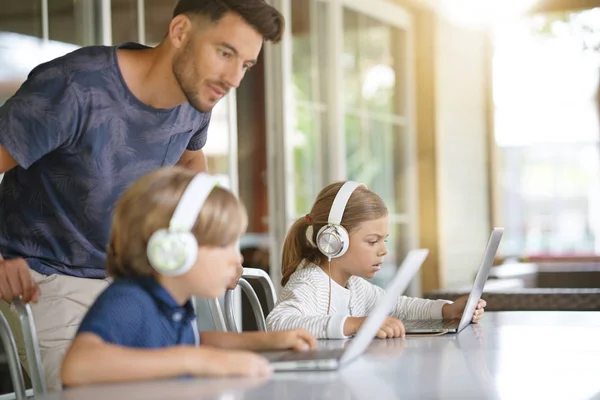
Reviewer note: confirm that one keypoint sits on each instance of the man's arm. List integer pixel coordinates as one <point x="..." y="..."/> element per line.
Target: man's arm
<point x="7" y="162"/>
<point x="33" y="122"/>
<point x="194" y="160"/>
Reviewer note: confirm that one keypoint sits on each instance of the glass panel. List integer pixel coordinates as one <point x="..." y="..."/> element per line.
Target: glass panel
<point x="351" y="61"/>
<point x="377" y="66"/>
<point x="310" y="116"/>
<point x="124" y="21"/>
<point x="158" y="16"/>
<point x="546" y="86"/>
<point x="376" y="156"/>
<point x="302" y="51"/>
<point x="63" y="24"/>
<point x="551" y="193"/>
<point x="23" y="16"/>
<point x="307" y="158"/>
<point x="375" y="127"/>
<point x="369" y="64"/>
<point x="22" y="49"/>
<point x="217" y="148"/>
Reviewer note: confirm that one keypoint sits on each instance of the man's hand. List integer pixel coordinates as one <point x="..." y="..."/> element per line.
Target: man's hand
<point x="16" y="280"/>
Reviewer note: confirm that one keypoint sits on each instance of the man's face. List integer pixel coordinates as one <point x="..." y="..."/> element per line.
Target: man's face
<point x="214" y="57"/>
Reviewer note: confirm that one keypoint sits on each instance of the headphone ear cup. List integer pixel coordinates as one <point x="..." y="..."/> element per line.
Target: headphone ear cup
<point x="344" y="238"/>
<point x="172" y="253"/>
<point x="332" y="241"/>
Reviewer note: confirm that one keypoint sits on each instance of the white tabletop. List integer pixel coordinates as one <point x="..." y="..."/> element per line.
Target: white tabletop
<point x="510" y="355"/>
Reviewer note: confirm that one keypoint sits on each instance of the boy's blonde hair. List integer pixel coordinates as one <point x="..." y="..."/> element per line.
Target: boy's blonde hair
<point x="363" y="205"/>
<point x="148" y="205"/>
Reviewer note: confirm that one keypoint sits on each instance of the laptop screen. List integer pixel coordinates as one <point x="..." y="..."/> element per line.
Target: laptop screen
<point x="481" y="278"/>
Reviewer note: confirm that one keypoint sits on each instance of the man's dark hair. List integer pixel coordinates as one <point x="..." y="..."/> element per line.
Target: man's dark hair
<point x="257" y="13"/>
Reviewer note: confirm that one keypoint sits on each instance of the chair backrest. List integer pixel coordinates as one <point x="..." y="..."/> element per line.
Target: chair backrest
<point x="36" y="370"/>
<point x="217" y="315"/>
<point x="263" y="278"/>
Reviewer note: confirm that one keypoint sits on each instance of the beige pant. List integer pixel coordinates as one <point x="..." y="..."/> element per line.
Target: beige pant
<point x="63" y="302"/>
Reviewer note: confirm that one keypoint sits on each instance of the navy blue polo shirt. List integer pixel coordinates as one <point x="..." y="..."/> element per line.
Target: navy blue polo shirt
<point x="139" y="312"/>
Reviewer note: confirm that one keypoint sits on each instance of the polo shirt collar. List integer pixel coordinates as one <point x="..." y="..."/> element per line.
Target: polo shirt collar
<point x="165" y="302"/>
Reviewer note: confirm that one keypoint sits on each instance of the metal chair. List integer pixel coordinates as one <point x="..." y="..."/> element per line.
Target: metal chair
<point x="36" y="370"/>
<point x="216" y="314"/>
<point x="33" y="353"/>
<point x="267" y="285"/>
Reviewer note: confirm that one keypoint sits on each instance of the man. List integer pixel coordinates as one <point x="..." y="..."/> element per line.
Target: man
<point x="86" y="125"/>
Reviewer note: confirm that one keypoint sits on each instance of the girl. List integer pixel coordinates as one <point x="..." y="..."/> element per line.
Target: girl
<point x="328" y="254"/>
<point x="174" y="236"/>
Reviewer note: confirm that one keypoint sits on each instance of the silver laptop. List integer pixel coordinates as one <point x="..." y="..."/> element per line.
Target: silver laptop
<point x="457" y="325"/>
<point x="331" y="359"/>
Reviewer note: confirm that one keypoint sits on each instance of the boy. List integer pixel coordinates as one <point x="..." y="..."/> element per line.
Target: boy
<point x="174" y="236"/>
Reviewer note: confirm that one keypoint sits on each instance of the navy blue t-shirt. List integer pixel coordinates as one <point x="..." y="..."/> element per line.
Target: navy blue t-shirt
<point x="139" y="312"/>
<point x="80" y="137"/>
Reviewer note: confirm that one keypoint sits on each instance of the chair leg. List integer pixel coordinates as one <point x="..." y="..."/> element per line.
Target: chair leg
<point x="36" y="370"/>
<point x="10" y="348"/>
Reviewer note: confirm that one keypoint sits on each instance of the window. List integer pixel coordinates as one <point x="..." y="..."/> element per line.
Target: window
<point x="29" y="38"/>
<point x="309" y="117"/>
<point x="347" y="77"/>
<point x="376" y="120"/>
<point x="546" y="128"/>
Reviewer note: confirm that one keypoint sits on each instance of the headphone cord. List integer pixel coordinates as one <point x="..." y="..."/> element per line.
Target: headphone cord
<point x="329" y="273"/>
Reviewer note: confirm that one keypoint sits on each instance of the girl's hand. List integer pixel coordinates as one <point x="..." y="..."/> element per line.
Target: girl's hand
<point x="456" y="309"/>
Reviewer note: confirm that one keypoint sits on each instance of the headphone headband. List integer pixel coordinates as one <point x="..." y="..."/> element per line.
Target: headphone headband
<point x="191" y="202"/>
<point x="174" y="250"/>
<point x="341" y="200"/>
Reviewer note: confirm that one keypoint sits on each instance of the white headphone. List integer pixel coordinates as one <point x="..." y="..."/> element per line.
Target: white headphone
<point x="333" y="239"/>
<point x="173" y="251"/>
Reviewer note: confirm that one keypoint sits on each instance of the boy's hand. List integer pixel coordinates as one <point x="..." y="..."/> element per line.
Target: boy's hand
<point x="297" y="339"/>
<point x="455" y="310"/>
<point x="245" y="363"/>
<point x="229" y="363"/>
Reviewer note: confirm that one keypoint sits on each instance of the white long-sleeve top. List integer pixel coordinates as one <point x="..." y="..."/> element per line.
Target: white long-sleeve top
<point x="303" y="303"/>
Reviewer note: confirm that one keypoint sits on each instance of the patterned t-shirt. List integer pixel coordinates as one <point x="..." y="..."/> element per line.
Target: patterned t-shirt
<point x="80" y="137"/>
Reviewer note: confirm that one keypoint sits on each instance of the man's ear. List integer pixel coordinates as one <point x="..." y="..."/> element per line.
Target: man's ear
<point x="180" y="30"/>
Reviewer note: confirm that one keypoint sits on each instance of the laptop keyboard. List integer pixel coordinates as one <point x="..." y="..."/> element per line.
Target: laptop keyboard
<point x="311" y="355"/>
<point x="429" y="324"/>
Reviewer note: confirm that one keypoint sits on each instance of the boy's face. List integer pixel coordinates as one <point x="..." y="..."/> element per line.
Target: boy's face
<point x="233" y="284"/>
<point x="216" y="269"/>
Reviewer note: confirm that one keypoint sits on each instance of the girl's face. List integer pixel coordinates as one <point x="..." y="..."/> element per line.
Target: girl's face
<point x="216" y="268"/>
<point x="365" y="252"/>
